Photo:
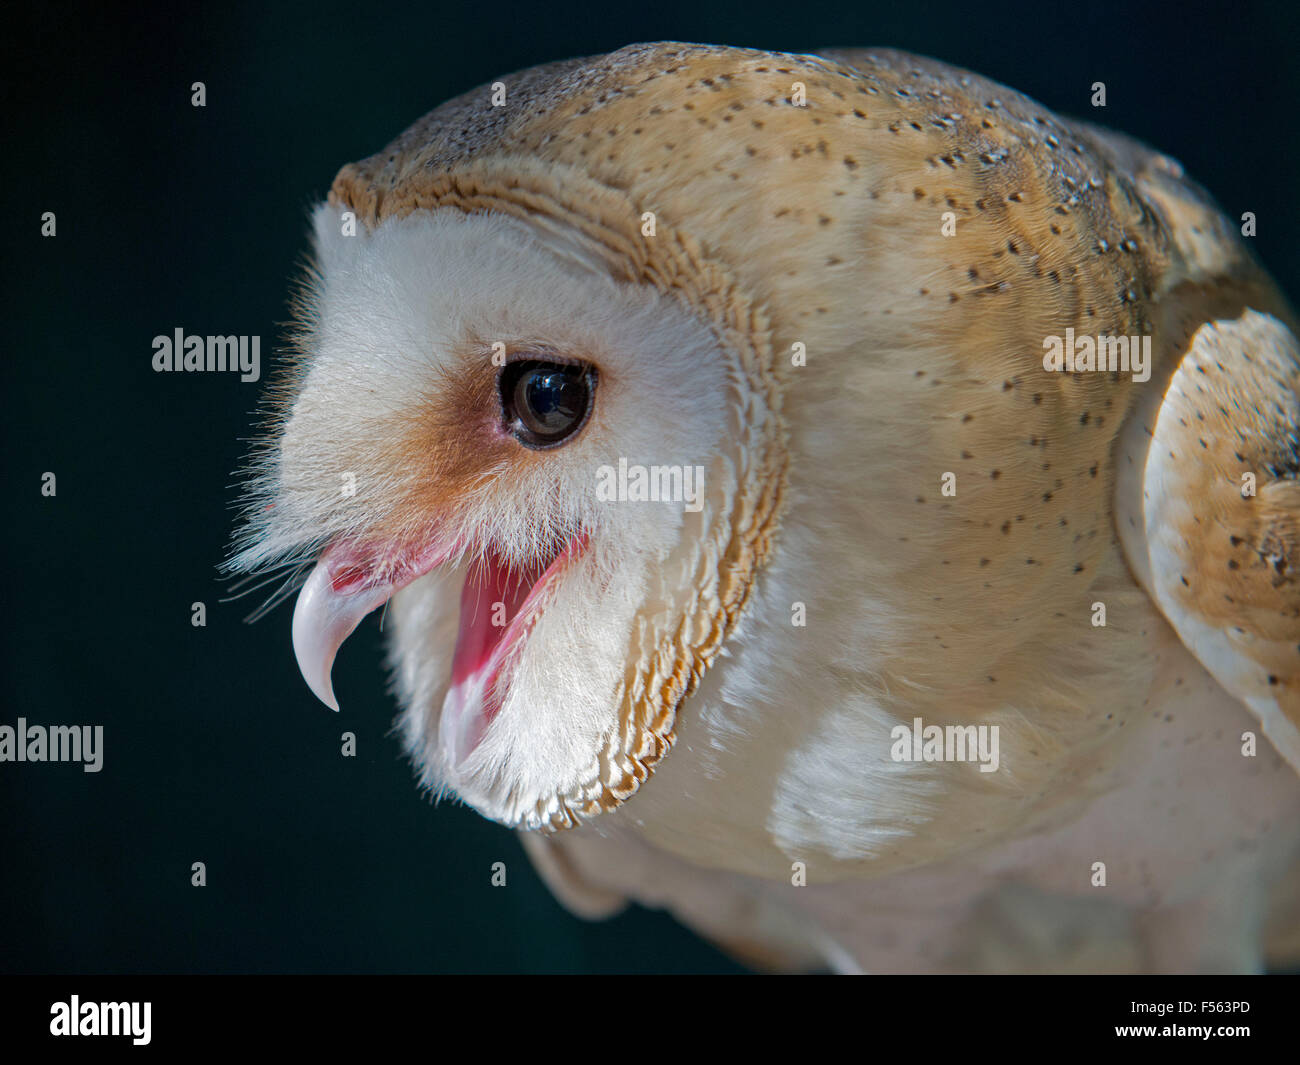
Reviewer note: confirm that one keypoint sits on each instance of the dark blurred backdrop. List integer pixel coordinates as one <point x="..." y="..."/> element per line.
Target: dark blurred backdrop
<point x="173" y="216"/>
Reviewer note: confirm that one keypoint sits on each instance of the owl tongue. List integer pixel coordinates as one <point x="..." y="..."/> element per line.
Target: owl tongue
<point x="498" y="607"/>
<point x="489" y="602"/>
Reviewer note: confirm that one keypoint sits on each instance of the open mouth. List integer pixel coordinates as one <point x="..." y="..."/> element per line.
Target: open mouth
<point x="499" y="606"/>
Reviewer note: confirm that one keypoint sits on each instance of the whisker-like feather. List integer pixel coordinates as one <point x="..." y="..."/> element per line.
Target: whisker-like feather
<point x="290" y="585"/>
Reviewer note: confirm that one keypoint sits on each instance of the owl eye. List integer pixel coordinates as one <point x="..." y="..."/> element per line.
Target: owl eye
<point x="546" y="402"/>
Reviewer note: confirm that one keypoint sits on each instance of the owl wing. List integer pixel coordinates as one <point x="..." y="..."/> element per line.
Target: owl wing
<point x="1216" y="530"/>
<point x="1207" y="495"/>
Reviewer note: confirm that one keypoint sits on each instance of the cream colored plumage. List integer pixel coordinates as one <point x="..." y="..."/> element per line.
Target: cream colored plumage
<point x="826" y="280"/>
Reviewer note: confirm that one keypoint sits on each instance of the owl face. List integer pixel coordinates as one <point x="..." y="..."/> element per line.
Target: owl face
<point x="469" y="389"/>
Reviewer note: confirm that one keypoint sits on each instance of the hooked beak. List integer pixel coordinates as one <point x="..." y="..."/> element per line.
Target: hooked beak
<point x="345" y="586"/>
<point x="322" y="620"/>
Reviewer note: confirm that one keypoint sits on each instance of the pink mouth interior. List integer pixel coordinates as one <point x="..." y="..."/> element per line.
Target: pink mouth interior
<point x="498" y="606"/>
<point x="483" y="623"/>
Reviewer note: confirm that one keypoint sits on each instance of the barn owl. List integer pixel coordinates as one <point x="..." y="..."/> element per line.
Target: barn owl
<point x="773" y="529"/>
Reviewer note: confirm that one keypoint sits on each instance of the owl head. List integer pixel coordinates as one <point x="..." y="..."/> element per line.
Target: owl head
<point x="539" y="424"/>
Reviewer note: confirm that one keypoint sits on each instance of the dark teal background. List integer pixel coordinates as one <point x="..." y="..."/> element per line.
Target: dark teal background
<point x="174" y="216"/>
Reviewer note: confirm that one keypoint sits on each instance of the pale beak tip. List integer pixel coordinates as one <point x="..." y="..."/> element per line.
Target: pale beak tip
<point x="322" y="620"/>
<point x="326" y="695"/>
<point x="317" y="675"/>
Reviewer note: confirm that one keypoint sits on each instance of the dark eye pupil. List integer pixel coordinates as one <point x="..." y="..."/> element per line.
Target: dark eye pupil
<point x="551" y="398"/>
<point x="545" y="402"/>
